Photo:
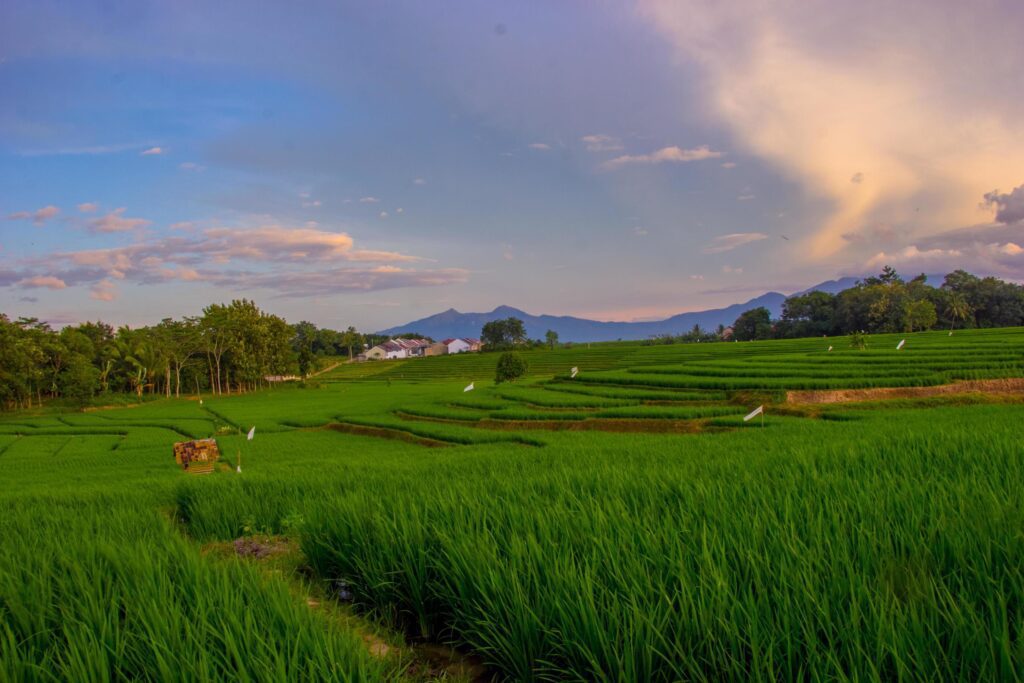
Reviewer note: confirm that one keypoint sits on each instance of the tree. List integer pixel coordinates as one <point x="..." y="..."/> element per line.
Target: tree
<point x="511" y="366"/>
<point x="920" y="315"/>
<point x="500" y="335"/>
<point x="753" y="324"/>
<point x="809" y="315"/>
<point x="957" y="308"/>
<point x="551" y="337"/>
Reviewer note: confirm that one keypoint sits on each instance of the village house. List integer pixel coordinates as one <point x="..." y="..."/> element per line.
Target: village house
<point x="394" y="349"/>
<point x="436" y="349"/>
<point x="463" y="345"/>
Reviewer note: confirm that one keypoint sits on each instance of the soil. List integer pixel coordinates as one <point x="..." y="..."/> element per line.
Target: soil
<point x="991" y="386"/>
<point x="385" y="433"/>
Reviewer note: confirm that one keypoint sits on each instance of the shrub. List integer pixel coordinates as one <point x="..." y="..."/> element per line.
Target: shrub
<point x="511" y="366"/>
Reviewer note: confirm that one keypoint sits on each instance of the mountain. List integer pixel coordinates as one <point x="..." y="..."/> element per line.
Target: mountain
<point x="452" y="323"/>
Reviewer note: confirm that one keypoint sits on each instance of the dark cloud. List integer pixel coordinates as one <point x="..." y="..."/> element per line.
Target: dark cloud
<point x="1009" y="207"/>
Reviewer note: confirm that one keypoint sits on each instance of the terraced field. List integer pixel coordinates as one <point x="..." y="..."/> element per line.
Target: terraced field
<point x="625" y="525"/>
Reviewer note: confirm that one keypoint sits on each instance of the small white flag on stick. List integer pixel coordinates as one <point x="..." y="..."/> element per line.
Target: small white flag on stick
<point x="575" y="371"/>
<point x="469" y="387"/>
<point x="754" y="413"/>
<point x="951" y="333"/>
<point x="252" y="433"/>
<point x="830" y="348"/>
<point x="900" y="345"/>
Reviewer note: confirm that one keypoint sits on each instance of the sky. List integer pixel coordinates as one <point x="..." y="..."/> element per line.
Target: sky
<point x="367" y="164"/>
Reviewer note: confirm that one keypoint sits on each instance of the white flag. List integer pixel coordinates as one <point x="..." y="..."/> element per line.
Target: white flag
<point x="200" y="401"/>
<point x="951" y="333"/>
<point x="574" y="372"/>
<point x="252" y="433"/>
<point x="830" y="348"/>
<point x="900" y="345"/>
<point x="757" y="411"/>
<point x="470" y="387"/>
<point x="238" y="469"/>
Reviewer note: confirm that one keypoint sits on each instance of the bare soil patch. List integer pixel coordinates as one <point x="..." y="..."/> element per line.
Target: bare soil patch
<point x="385" y="433"/>
<point x="991" y="386"/>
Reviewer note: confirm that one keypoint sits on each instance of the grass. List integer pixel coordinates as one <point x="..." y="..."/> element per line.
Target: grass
<point x="880" y="543"/>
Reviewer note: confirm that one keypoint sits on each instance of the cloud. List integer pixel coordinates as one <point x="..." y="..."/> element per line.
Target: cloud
<point x="1009" y="207"/>
<point x="78" y="151"/>
<point x="383" y="214"/>
<point x="291" y="261"/>
<point x="820" y="90"/>
<point x="369" y="200"/>
<point x="47" y="281"/>
<point x="399" y="210"/>
<point x="104" y="290"/>
<point x="602" y="143"/>
<point x="191" y="166"/>
<point x="419" y="181"/>
<point x="153" y="151"/>
<point x="540" y="146"/>
<point x="116" y="222"/>
<point x="664" y="155"/>
<point x="745" y="197"/>
<point x="696" y="277"/>
<point x="730" y="270"/>
<point x="728" y="164"/>
<point x="88" y="207"/>
<point x="39" y="216"/>
<point x="857" y="178"/>
<point x="639" y="230"/>
<point x="731" y="241"/>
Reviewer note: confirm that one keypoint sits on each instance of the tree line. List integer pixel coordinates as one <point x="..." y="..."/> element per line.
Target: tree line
<point x="230" y="348"/>
<point x="888" y="303"/>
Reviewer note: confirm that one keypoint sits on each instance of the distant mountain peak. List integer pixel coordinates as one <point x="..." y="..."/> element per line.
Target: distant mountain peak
<point x="452" y="323"/>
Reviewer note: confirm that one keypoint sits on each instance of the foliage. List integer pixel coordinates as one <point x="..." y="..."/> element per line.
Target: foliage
<point x="551" y="338"/>
<point x="511" y="366"/>
<point x="753" y="324"/>
<point x="501" y="335"/>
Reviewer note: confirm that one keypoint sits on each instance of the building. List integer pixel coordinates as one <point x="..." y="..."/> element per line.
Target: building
<point x="436" y="349"/>
<point x="394" y="349"/>
<point x="463" y="345"/>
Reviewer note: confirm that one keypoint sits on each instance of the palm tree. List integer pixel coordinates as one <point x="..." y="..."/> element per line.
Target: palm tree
<point x="958" y="309"/>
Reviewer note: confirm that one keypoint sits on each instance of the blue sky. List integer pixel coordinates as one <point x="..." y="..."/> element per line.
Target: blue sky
<point x="371" y="163"/>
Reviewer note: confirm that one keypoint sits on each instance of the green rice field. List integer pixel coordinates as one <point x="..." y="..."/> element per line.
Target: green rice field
<point x="623" y="525"/>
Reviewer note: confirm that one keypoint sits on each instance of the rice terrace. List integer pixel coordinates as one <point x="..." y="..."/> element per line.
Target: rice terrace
<point x="626" y="524"/>
<point x="656" y="341"/>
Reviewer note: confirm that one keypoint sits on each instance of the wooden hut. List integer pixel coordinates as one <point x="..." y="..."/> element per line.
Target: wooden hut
<point x="197" y="457"/>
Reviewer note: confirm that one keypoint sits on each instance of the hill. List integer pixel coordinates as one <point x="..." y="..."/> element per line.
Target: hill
<point x="452" y="323"/>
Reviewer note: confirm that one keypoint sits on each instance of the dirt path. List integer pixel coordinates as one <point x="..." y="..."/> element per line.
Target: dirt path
<point x="990" y="386"/>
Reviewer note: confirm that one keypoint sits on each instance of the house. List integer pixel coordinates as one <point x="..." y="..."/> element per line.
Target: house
<point x="397" y="348"/>
<point x="456" y="345"/>
<point x="436" y="349"/>
<point x="463" y="345"/>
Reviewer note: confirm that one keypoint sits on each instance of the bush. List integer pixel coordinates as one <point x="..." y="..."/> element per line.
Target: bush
<point x="511" y="366"/>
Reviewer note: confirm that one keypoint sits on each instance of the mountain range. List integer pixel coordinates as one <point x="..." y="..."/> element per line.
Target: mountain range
<point x="452" y="323"/>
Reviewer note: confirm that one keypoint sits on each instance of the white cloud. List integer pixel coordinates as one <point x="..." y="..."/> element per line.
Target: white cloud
<point x="384" y="214"/>
<point x="191" y="166"/>
<point x="419" y="181"/>
<point x="540" y="146"/>
<point x="104" y="290"/>
<point x="728" y="164"/>
<point x="730" y="270"/>
<point x="696" y="277"/>
<point x="664" y="155"/>
<point x="153" y="151"/>
<point x="745" y="197"/>
<point x="47" y="281"/>
<point x="39" y="216"/>
<point x="88" y="207"/>
<point x="827" y="90"/>
<point x="602" y="143"/>
<point x="731" y="241"/>
<point x="369" y="200"/>
<point x="116" y="222"/>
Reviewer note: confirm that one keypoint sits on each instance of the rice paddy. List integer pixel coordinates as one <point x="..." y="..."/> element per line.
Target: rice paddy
<point x="624" y="525"/>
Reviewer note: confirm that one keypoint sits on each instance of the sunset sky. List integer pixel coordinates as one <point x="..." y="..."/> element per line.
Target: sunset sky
<point x="371" y="163"/>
